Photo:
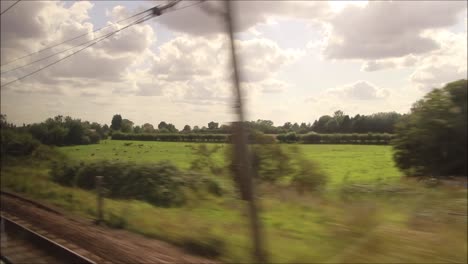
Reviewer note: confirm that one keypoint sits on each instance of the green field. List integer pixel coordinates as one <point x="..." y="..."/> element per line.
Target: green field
<point x="391" y="220"/>
<point x="354" y="162"/>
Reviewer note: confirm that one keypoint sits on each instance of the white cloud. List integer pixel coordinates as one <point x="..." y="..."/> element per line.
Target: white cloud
<point x="361" y="90"/>
<point x="384" y="29"/>
<point x="204" y="19"/>
<point x="52" y="22"/>
<point x="447" y="64"/>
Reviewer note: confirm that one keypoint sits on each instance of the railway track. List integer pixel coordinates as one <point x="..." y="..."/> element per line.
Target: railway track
<point x="20" y="244"/>
<point x="97" y="244"/>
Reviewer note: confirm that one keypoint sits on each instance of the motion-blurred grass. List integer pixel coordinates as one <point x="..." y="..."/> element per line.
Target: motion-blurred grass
<point x="385" y="221"/>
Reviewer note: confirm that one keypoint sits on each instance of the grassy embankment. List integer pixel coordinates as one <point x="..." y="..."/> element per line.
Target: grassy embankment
<point x="388" y="221"/>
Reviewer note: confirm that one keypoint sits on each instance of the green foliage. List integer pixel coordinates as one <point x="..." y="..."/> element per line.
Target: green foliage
<point x="309" y="176"/>
<point x="161" y="184"/>
<point x="270" y="162"/>
<point x="172" y="137"/>
<point x="273" y="163"/>
<point x="17" y="144"/>
<point x="127" y="126"/>
<point x="341" y="123"/>
<point x="431" y="141"/>
<point x="314" y="138"/>
<point x="116" y="123"/>
<point x="61" y="131"/>
<point x="213" y="125"/>
<point x="167" y="127"/>
<point x="288" y="138"/>
<point x="204" y="161"/>
<point x="64" y="173"/>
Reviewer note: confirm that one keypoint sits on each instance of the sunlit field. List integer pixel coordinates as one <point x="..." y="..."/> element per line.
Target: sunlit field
<point x="361" y="163"/>
<point x="369" y="214"/>
<point x="394" y="222"/>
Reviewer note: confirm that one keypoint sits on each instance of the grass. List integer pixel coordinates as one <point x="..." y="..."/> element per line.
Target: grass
<point x="351" y="162"/>
<point x="334" y="226"/>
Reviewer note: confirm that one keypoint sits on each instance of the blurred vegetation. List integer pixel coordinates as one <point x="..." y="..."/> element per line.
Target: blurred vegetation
<point x="57" y="131"/>
<point x="399" y="222"/>
<point x="314" y="138"/>
<point x="161" y="184"/>
<point x="431" y="141"/>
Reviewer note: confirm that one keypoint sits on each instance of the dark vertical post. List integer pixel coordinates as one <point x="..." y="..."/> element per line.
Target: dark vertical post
<point x="241" y="152"/>
<point x="99" y="198"/>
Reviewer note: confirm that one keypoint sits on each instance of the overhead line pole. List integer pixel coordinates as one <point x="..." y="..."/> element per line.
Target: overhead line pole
<point x="241" y="151"/>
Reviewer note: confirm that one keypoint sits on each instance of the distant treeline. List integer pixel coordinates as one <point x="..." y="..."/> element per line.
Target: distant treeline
<point x="310" y="138"/>
<point x="338" y="123"/>
<point x="314" y="138"/>
<point x="57" y="131"/>
<point x="178" y="137"/>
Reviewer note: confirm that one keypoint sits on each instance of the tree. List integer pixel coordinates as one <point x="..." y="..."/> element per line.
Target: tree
<point x="212" y="125"/>
<point x="186" y="128"/>
<point x="172" y="128"/>
<point x="75" y="132"/>
<point x="147" y="128"/>
<point x="287" y="126"/>
<point x="127" y="126"/>
<point x="116" y="123"/>
<point x="196" y="129"/>
<point x="137" y="129"/>
<point x="162" y="125"/>
<point x="431" y="140"/>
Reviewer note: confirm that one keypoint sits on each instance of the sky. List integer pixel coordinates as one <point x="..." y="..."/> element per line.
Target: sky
<point x="298" y="60"/>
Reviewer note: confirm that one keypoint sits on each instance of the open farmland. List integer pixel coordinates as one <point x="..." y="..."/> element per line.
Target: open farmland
<point x="375" y="226"/>
<point x="351" y="162"/>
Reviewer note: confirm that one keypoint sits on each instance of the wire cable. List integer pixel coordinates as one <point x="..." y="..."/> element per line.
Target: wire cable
<point x="52" y="55"/>
<point x="141" y="20"/>
<point x="4" y="11"/>
<point x="74" y="38"/>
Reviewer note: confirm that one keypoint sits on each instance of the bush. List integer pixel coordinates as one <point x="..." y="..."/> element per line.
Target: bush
<point x="431" y="140"/>
<point x="160" y="184"/>
<point x="64" y="173"/>
<point x="369" y="138"/>
<point x="309" y="177"/>
<point x="17" y="144"/>
<point x="172" y="137"/>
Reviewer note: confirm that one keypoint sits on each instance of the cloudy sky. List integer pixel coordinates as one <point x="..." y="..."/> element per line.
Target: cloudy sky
<point x="299" y="60"/>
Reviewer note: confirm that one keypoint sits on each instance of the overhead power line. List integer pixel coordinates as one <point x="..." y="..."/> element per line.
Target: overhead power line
<point x="52" y="55"/>
<point x="155" y="11"/>
<point x="4" y="11"/>
<point x="92" y="44"/>
<point x="74" y="38"/>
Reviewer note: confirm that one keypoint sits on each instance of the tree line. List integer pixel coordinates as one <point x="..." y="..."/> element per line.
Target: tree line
<point x="338" y="123"/>
<point x="429" y="141"/>
<point x="57" y="131"/>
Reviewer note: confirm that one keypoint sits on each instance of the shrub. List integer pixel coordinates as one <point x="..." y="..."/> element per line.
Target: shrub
<point x="160" y="184"/>
<point x="189" y="137"/>
<point x="17" y="144"/>
<point x="64" y="173"/>
<point x="431" y="140"/>
<point x="309" y="177"/>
